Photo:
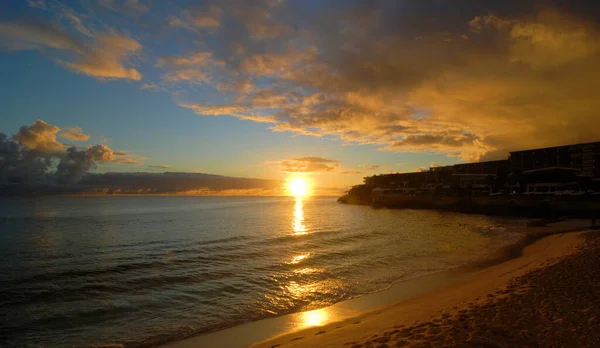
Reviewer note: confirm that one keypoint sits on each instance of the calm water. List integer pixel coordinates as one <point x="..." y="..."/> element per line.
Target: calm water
<point x="83" y="271"/>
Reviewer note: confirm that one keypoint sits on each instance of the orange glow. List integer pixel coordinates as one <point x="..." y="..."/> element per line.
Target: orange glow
<point x="298" y="224"/>
<point x="315" y="318"/>
<point x="298" y="187"/>
<point x="299" y="258"/>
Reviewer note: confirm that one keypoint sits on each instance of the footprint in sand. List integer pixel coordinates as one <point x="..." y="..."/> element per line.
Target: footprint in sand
<point x="297" y="338"/>
<point x="320" y="332"/>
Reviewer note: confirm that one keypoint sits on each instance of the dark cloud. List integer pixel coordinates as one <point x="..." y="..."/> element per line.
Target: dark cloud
<point x="160" y="166"/>
<point x="75" y="164"/>
<point x="34" y="160"/>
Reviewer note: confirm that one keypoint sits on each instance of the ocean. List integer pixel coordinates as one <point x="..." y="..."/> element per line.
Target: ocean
<point x="140" y="271"/>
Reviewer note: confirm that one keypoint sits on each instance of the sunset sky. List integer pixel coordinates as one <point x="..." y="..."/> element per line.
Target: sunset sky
<point x="261" y="89"/>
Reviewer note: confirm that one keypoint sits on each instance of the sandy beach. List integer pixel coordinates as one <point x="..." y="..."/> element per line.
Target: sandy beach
<point x="545" y="297"/>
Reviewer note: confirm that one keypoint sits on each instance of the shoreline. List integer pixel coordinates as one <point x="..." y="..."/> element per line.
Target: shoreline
<point x="273" y="331"/>
<point x="417" y="320"/>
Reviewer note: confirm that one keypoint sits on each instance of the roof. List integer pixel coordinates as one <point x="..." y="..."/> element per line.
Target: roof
<point x="548" y="169"/>
<point x="554" y="147"/>
<point x="461" y="174"/>
<point x="482" y="162"/>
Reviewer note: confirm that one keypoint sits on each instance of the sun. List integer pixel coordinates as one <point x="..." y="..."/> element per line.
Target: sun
<point x="298" y="187"/>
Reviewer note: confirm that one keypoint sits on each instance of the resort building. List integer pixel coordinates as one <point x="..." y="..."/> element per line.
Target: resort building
<point x="583" y="158"/>
<point x="547" y="169"/>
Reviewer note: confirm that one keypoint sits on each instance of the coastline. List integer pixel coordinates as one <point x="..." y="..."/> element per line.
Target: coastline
<point x="447" y="316"/>
<point x="530" y="206"/>
<point x="412" y="300"/>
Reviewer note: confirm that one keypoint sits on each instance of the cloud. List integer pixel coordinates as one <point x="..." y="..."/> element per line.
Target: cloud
<point x="127" y="6"/>
<point x="75" y="21"/>
<point x="74" y="134"/>
<point x="106" y="57"/>
<point x="100" y="153"/>
<point x="259" y="20"/>
<point x="309" y="165"/>
<point x="160" y="166"/>
<point x="128" y="161"/>
<point x="478" y="23"/>
<point x="151" y="86"/>
<point x="469" y="144"/>
<point x="352" y="172"/>
<point x="193" y="69"/>
<point x="216" y="110"/>
<point x="41" y="4"/>
<point x="37" y="35"/>
<point x="34" y="160"/>
<point x="315" y="160"/>
<point x="197" y="18"/>
<point x="39" y="136"/>
<point x="364" y="169"/>
<point x="125" y="157"/>
<point x="371" y="166"/>
<point x="553" y="41"/>
<point x="471" y="84"/>
<point x="522" y="77"/>
<point x="240" y="111"/>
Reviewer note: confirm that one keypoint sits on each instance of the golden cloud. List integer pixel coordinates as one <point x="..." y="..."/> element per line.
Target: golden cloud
<point x="514" y="83"/>
<point x="309" y="165"/>
<point x="74" y="134"/>
<point x="39" y="136"/>
<point x="105" y="58"/>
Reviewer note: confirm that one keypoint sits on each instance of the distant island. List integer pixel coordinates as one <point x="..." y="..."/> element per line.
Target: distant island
<point x="546" y="182"/>
<point x="144" y="183"/>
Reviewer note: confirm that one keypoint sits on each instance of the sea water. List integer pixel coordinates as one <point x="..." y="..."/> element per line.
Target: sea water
<point x="92" y="271"/>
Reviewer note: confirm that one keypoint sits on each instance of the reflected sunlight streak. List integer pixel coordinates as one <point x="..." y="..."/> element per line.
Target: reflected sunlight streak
<point x="297" y="259"/>
<point x="298" y="224"/>
<point x="317" y="317"/>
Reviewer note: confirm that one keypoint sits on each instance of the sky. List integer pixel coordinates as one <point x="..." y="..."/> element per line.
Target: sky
<point x="269" y="89"/>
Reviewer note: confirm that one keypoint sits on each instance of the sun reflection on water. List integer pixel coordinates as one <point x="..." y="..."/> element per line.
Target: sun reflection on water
<point x="298" y="223"/>
<point x="298" y="258"/>
<point x="317" y="317"/>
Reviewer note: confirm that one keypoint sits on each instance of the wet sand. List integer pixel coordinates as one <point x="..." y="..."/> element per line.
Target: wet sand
<point x="546" y="297"/>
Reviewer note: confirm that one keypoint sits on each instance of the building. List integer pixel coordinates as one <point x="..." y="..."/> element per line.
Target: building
<point x="488" y="167"/>
<point x="583" y="158"/>
<point x="560" y="165"/>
